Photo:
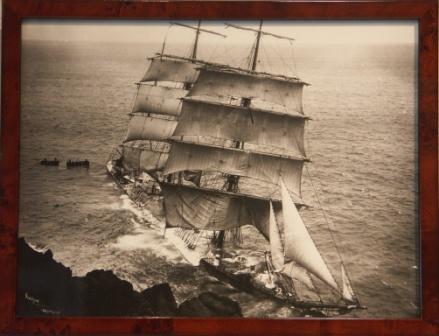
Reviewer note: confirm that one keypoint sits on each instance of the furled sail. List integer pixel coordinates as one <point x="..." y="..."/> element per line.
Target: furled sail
<point x="194" y="208"/>
<point x="143" y="126"/>
<point x="158" y="99"/>
<point x="271" y="92"/>
<point x="171" y="70"/>
<point x="149" y="157"/>
<point x="263" y="128"/>
<point x="299" y="245"/>
<point x="261" y="166"/>
<point x="277" y="256"/>
<point x="347" y="291"/>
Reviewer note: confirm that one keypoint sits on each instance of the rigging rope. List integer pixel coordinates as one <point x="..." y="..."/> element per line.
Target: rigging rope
<point x="283" y="60"/>
<point x="269" y="67"/>
<point x="328" y="225"/>
<point x="315" y="287"/>
<point x="325" y="216"/>
<point x="249" y="58"/>
<point x="165" y="40"/>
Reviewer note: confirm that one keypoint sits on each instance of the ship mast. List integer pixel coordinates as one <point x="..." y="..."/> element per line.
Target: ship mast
<point x="256" y="51"/>
<point x="233" y="180"/>
<point x="259" y="33"/>
<point x="198" y="31"/>
<point x="193" y="58"/>
<point x="156" y="108"/>
<point x="197" y="36"/>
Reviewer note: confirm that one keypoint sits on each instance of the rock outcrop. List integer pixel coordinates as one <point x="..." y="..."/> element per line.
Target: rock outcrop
<point x="47" y="287"/>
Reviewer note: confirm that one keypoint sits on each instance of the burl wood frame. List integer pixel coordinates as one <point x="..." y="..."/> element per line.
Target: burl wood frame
<point x="424" y="11"/>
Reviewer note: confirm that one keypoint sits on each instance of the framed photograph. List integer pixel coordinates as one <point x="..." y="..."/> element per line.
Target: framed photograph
<point x="210" y="168"/>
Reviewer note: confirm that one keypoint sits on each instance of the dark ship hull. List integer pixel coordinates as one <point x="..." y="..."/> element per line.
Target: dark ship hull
<point x="247" y="283"/>
<point x="142" y="194"/>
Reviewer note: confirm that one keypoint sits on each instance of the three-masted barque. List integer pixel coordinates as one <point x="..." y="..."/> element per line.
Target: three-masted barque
<point x="223" y="149"/>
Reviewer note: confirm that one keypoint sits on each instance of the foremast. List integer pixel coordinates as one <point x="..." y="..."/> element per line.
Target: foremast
<point x="157" y="107"/>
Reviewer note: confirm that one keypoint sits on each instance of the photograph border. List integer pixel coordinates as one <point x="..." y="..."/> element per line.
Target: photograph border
<point x="426" y="14"/>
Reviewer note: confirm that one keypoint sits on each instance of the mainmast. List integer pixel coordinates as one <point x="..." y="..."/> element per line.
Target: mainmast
<point x="197" y="35"/>
<point x="224" y="108"/>
<point x="233" y="180"/>
<point x="198" y="30"/>
<point x="268" y="119"/>
<point x="255" y="55"/>
<point x="259" y="33"/>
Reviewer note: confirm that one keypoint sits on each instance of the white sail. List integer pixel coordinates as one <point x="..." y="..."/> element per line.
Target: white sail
<point x="263" y="128"/>
<point x="347" y="292"/>
<point x="303" y="285"/>
<point x="152" y="160"/>
<point x="144" y="156"/>
<point x="168" y="70"/>
<point x="260" y="166"/>
<point x="277" y="255"/>
<point x="299" y="245"/>
<point x="265" y="91"/>
<point x="146" y="127"/>
<point x="298" y="273"/>
<point x="158" y="100"/>
<point x="130" y="157"/>
<point x="195" y="208"/>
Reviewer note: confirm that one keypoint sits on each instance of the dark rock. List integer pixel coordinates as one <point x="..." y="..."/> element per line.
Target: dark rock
<point x="209" y="304"/>
<point x="46" y="287"/>
<point x="101" y="293"/>
<point x="158" y="300"/>
<point x="41" y="277"/>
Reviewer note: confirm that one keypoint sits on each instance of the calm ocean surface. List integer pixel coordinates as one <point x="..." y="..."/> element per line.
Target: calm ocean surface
<point x="361" y="139"/>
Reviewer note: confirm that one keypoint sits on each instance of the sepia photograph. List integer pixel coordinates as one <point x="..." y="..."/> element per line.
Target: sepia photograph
<point x="210" y="168"/>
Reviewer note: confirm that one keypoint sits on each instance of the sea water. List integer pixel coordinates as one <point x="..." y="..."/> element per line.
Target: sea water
<point x="75" y="101"/>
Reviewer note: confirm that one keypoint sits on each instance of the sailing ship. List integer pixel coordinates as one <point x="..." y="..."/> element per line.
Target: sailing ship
<point x="226" y="149"/>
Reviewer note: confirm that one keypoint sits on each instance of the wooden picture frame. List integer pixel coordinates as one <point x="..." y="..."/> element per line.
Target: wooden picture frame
<point x="424" y="11"/>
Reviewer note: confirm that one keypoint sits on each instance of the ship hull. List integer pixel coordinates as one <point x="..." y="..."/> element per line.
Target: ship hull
<point x="143" y="197"/>
<point x="248" y="283"/>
